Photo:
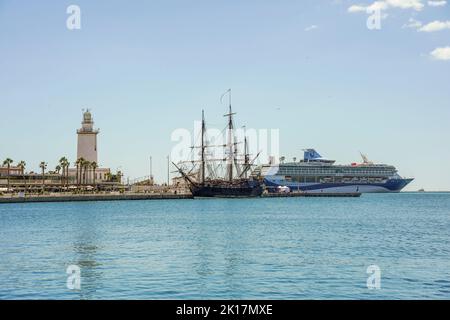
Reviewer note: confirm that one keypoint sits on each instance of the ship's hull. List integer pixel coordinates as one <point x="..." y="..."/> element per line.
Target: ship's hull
<point x="391" y="185"/>
<point x="243" y="190"/>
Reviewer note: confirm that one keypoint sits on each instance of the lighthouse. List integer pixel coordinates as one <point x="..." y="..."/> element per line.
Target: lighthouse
<point x="89" y="171"/>
<point x="87" y="139"/>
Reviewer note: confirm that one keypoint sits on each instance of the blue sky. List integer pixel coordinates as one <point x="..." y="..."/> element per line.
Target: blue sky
<point x="310" y="68"/>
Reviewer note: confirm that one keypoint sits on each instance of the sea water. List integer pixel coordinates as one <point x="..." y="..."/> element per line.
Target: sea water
<point x="277" y="248"/>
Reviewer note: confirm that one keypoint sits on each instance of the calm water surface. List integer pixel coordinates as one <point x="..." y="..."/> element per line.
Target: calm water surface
<point x="294" y="248"/>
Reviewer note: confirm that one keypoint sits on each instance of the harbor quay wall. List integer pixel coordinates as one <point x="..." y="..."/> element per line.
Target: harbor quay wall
<point x="91" y="197"/>
<point x="144" y="196"/>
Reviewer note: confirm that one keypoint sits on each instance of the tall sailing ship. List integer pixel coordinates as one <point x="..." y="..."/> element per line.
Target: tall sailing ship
<point x="205" y="180"/>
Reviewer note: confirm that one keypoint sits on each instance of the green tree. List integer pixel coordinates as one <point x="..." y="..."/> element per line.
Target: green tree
<point x="78" y="164"/>
<point x="7" y="163"/>
<point x="22" y="164"/>
<point x="94" y="166"/>
<point x="58" y="170"/>
<point x="43" y="166"/>
<point x="64" y="163"/>
<point x="86" y="165"/>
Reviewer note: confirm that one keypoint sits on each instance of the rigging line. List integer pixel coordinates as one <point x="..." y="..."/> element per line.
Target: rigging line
<point x="221" y="97"/>
<point x="189" y="172"/>
<point x="251" y="164"/>
<point x="197" y="138"/>
<point x="221" y="132"/>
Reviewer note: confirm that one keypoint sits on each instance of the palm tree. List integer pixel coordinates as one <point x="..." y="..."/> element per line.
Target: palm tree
<point x="282" y="158"/>
<point x="86" y="165"/>
<point x="66" y="166"/>
<point x="294" y="158"/>
<point x="63" y="163"/>
<point x="58" y="170"/>
<point x="7" y="163"/>
<point x="119" y="175"/>
<point x="78" y="164"/>
<point x="94" y="166"/>
<point x="22" y="164"/>
<point x="43" y="166"/>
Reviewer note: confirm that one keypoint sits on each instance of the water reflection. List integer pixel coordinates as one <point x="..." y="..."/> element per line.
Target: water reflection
<point x="86" y="249"/>
<point x="219" y="248"/>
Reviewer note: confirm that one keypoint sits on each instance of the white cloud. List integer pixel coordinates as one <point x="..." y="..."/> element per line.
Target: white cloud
<point x="416" y="5"/>
<point x="412" y="23"/>
<point x="378" y="5"/>
<point x="437" y="3"/>
<point x="356" y="8"/>
<point x="406" y="4"/>
<point x="311" y="27"/>
<point x="435" y="26"/>
<point x="441" y="53"/>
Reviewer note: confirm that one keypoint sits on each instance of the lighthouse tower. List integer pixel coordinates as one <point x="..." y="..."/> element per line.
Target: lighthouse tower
<point x="87" y="139"/>
<point x="87" y="149"/>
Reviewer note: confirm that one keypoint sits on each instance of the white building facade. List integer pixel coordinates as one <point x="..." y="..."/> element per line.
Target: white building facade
<point x="87" y="139"/>
<point x="90" y="171"/>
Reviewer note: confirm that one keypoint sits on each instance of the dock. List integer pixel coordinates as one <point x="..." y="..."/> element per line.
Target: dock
<point x="94" y="197"/>
<point x="313" y="194"/>
<point x="151" y="196"/>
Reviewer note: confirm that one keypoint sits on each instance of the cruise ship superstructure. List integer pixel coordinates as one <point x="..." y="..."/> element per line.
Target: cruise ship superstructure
<point x="317" y="174"/>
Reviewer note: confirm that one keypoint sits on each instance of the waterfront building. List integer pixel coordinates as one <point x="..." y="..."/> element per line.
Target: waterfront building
<point x="180" y="184"/>
<point x="31" y="181"/>
<point x="13" y="170"/>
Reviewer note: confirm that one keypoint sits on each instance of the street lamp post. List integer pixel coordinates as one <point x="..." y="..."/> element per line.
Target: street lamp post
<point x="150" y="180"/>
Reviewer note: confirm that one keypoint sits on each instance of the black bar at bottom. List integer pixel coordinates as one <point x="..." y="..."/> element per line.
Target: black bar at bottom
<point x="227" y="309"/>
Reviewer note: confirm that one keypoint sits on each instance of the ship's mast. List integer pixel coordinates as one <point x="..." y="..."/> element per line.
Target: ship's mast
<point x="230" y="139"/>
<point x="203" y="146"/>
<point x="245" y="156"/>
<point x="230" y="145"/>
